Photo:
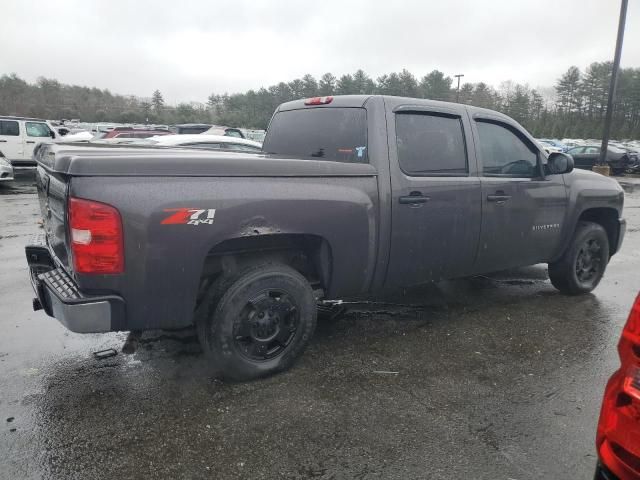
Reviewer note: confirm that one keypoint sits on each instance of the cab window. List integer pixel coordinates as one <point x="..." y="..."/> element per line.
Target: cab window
<point x="430" y="144"/>
<point x="37" y="129"/>
<point x="504" y="153"/>
<point x="334" y="134"/>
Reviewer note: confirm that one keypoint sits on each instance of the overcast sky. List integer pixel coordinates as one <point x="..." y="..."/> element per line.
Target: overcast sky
<point x="189" y="49"/>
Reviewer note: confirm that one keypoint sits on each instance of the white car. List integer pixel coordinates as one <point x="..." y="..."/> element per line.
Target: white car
<point x="208" y="142"/>
<point x="19" y="136"/>
<point x="548" y="147"/>
<point x="6" y="170"/>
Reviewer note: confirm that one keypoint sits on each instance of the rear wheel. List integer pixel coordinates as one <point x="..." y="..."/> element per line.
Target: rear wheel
<point x="582" y="266"/>
<point x="257" y="321"/>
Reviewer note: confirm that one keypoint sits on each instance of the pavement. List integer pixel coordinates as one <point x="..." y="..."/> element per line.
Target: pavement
<point x="493" y="377"/>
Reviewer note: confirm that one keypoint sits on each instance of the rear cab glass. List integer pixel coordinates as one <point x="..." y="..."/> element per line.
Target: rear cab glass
<point x="336" y="134"/>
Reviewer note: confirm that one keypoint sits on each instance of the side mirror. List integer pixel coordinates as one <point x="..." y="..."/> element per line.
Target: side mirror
<point x="52" y="133"/>
<point x="558" y="163"/>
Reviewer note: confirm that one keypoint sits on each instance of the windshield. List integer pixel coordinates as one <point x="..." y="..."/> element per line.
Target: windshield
<point x="337" y="134"/>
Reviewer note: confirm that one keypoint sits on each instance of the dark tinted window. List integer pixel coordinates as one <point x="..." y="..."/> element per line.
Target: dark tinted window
<point x="430" y="144"/>
<point x="504" y="153"/>
<point x="9" y="127"/>
<point x="337" y="134"/>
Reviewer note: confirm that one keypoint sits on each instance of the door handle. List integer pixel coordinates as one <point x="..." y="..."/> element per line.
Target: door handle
<point x="414" y="199"/>
<point x="498" y="198"/>
<point x="31" y="141"/>
<point x="3" y="141"/>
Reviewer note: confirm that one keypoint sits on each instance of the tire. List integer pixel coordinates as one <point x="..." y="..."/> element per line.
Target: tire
<point x="583" y="264"/>
<point x="256" y="322"/>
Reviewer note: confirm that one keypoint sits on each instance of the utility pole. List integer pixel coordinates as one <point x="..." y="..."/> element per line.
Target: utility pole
<point x="612" y="86"/>
<point x="458" y="89"/>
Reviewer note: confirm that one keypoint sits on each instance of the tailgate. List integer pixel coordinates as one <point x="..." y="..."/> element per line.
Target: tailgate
<point x="52" y="196"/>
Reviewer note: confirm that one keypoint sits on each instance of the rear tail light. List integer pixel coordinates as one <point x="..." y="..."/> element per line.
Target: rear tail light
<point x="618" y="438"/>
<point x="96" y="237"/>
<point x="318" y="100"/>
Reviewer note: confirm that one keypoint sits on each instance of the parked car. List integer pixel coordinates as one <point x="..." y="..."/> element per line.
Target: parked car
<point x="19" y="136"/>
<point x="617" y="158"/>
<point x="618" y="437"/>
<point x="226" y="131"/>
<point x="6" y="170"/>
<point x="209" y="142"/>
<point x="189" y="128"/>
<point x="549" y="148"/>
<point x="243" y="245"/>
<point x="130" y="132"/>
<point x="554" y="143"/>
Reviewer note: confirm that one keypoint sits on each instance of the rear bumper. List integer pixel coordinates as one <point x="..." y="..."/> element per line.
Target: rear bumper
<point x="60" y="297"/>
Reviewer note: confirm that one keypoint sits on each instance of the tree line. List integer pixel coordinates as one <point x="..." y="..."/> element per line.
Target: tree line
<point x="574" y="108"/>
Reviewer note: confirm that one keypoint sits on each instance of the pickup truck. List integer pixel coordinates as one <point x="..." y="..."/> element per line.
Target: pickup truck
<point x="352" y="195"/>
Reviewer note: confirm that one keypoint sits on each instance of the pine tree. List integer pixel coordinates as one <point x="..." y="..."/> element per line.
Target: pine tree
<point x="157" y="101"/>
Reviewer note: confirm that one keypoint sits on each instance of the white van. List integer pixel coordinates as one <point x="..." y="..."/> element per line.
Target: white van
<point x="19" y="136"/>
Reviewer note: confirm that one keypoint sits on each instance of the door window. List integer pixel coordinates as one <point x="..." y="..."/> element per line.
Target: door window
<point x="9" y="128"/>
<point x="37" y="129"/>
<point x="591" y="150"/>
<point x="504" y="154"/>
<point x="576" y="151"/>
<point x="430" y="144"/>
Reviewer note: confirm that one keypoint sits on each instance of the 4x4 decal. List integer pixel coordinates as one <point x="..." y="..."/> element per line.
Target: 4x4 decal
<point x="189" y="216"/>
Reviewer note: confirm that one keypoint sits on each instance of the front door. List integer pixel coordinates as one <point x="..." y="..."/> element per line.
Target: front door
<point x="435" y="197"/>
<point x="523" y="211"/>
<point x="10" y="140"/>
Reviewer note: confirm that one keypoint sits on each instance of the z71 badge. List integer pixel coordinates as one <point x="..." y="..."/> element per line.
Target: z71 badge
<point x="189" y="216"/>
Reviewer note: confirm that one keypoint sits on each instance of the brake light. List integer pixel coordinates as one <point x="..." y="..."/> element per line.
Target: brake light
<point x="318" y="100"/>
<point x="96" y="237"/>
<point x="618" y="437"/>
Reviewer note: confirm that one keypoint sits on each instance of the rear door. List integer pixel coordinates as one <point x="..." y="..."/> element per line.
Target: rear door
<point x="522" y="210"/>
<point x="435" y="196"/>
<point x="10" y="140"/>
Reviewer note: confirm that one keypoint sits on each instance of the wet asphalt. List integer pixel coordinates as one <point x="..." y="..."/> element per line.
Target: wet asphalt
<point x="496" y="377"/>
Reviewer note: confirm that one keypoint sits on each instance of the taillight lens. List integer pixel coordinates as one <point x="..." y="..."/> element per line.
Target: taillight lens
<point x="96" y="237"/>
<point x="618" y="438"/>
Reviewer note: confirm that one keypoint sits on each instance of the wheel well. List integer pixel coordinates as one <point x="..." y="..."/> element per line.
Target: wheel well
<point x="608" y="218"/>
<point x="308" y="254"/>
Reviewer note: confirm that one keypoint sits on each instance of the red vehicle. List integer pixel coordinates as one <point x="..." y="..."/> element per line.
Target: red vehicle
<point x="618" y="438"/>
<point x="129" y="132"/>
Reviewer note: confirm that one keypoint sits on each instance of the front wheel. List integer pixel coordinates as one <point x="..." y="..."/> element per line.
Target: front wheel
<point x="257" y="321"/>
<point x="582" y="266"/>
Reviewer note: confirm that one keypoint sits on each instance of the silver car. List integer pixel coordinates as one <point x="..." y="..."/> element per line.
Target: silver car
<point x="6" y="170"/>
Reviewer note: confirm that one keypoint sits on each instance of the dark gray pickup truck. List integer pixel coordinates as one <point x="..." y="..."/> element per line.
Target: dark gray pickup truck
<point x="352" y="195"/>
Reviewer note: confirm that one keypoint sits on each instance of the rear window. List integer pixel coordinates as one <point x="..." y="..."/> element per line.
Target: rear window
<point x="336" y="134"/>
<point x="9" y="128"/>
